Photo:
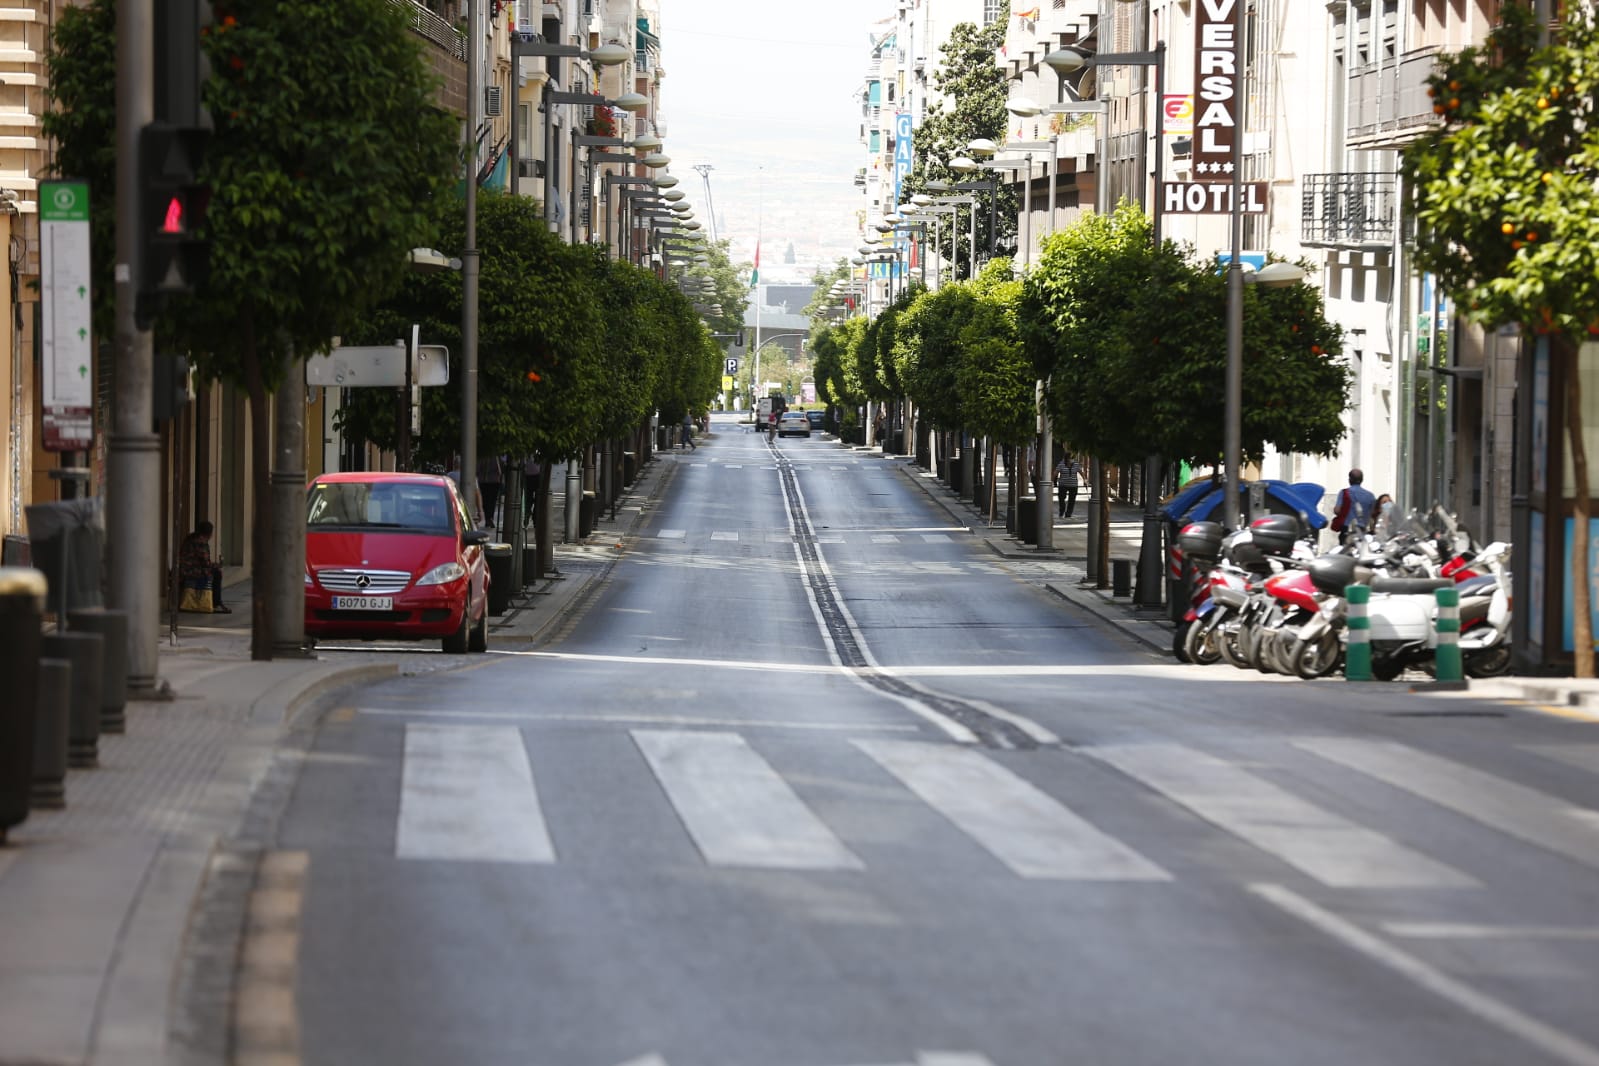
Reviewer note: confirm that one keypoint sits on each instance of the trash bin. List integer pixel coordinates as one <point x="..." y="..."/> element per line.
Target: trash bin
<point x="112" y="625"/>
<point x="68" y="539"/>
<point x="50" y="730"/>
<point x="954" y="474"/>
<point x="22" y="592"/>
<point x="499" y="560"/>
<point x="629" y="467"/>
<point x="587" y="514"/>
<point x="85" y="652"/>
<point x="1121" y="577"/>
<point x="1027" y="519"/>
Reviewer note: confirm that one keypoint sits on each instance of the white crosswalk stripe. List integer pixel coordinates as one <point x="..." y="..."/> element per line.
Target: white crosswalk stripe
<point x="1329" y="848"/>
<point x="1521" y="812"/>
<point x="724" y="535"/>
<point x="738" y="809"/>
<point x="935" y="538"/>
<point x="884" y="538"/>
<point x="672" y="534"/>
<point x="467" y="794"/>
<point x="1021" y="826"/>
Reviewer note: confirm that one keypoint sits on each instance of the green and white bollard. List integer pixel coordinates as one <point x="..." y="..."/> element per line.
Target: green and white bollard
<point x="1357" y="656"/>
<point x="1446" y="655"/>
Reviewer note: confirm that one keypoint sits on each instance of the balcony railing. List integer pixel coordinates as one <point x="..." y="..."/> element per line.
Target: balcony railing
<point x="428" y="25"/>
<point x="1347" y="210"/>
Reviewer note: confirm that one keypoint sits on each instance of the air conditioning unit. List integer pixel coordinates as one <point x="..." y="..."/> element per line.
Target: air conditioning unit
<point x="492" y="105"/>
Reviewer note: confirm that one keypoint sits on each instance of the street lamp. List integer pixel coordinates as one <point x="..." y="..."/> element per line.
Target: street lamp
<point x="1067" y="61"/>
<point x="1272" y="275"/>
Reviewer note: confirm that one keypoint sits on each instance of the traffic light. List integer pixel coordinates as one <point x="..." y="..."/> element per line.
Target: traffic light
<point x="173" y="258"/>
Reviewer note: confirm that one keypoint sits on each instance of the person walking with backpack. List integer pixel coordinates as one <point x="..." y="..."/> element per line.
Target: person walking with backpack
<point x="1354" y="509"/>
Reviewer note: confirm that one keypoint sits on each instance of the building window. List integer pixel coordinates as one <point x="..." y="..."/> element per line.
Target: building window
<point x="993" y="10"/>
<point x="877" y="141"/>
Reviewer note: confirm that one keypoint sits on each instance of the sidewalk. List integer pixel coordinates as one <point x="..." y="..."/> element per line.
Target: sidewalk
<point x="96" y="900"/>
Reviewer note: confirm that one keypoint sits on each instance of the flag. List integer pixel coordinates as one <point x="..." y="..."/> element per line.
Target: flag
<point x="1031" y="16"/>
<point x="755" y="272"/>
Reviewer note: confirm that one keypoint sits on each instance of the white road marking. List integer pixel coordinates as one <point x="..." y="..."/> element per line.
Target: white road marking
<point x="687" y="721"/>
<point x="724" y="535"/>
<point x="800" y="521"/>
<point x="951" y="1058"/>
<point x="935" y="538"/>
<point x="1521" y="812"/>
<point x="1539" y="1034"/>
<point x="738" y="809"/>
<point x="672" y="534"/>
<point x="1470" y="931"/>
<point x="1027" y="830"/>
<point x="467" y="794"/>
<point x="1582" y="756"/>
<point x="830" y="540"/>
<point x="885" y="538"/>
<point x="1331" y="849"/>
<point x="733" y="466"/>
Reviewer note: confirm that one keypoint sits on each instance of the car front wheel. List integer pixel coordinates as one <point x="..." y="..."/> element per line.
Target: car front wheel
<point x="479" y="640"/>
<point x="455" y="643"/>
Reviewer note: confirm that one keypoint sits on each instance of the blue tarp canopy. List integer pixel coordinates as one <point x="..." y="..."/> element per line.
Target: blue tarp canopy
<point x="1198" y="503"/>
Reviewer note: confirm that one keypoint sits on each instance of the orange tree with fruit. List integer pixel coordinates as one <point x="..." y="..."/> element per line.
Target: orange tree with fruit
<point x="1505" y="196"/>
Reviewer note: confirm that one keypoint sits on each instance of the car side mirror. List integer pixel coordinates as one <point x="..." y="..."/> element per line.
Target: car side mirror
<point x="476" y="536"/>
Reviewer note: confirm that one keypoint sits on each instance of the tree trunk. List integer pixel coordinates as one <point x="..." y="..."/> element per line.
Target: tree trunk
<point x="1581" y="606"/>
<point x="261" y="525"/>
<point x="544" y="544"/>
<point x="1102" y="549"/>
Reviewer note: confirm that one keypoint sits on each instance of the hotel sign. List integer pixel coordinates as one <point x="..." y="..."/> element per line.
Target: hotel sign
<point x="1216" y="78"/>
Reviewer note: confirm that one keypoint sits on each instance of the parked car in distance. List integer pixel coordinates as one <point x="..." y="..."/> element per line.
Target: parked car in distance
<point x="394" y="557"/>
<point x="816" y="418"/>
<point x="793" y="423"/>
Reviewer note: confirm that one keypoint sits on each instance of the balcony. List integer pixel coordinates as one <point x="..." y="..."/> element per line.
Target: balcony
<point x="1347" y="210"/>
<point x="446" y="56"/>
<point x="1388" y="105"/>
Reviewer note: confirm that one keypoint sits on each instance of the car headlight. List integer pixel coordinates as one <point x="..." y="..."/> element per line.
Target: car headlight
<point x="439" y="575"/>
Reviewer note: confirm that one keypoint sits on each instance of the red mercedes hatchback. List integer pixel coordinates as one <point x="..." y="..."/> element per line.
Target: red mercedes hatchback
<point x="394" y="556"/>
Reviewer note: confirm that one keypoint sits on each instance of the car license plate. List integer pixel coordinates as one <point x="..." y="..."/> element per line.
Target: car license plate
<point x="363" y="603"/>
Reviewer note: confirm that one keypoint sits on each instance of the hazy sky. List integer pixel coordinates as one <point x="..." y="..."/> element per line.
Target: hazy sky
<point x="764" y="92"/>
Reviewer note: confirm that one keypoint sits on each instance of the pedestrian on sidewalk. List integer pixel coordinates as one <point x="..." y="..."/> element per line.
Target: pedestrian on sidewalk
<point x="1068" y="478"/>
<point x="489" y="479"/>
<point x="688" y="432"/>
<point x="196" y="571"/>
<point x="1353" y="511"/>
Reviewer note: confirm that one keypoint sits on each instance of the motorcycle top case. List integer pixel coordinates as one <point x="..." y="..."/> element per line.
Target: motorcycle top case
<point x="1332" y="574"/>
<point x="1201" y="540"/>
<point x="1275" y="534"/>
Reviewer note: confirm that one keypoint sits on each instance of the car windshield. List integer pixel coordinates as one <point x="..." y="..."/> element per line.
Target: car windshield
<point x="383" y="505"/>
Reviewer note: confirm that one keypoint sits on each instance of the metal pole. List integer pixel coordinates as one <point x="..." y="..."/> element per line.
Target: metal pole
<point x="1027" y="212"/>
<point x="1151" y="550"/>
<point x="549" y="152"/>
<point x="1046" y="448"/>
<point x="133" y="472"/>
<point x="1233" y="442"/>
<point x="288" y="512"/>
<point x="971" y="258"/>
<point x="469" y="270"/>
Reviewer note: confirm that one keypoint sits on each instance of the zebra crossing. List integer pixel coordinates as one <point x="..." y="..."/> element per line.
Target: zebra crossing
<point x="469" y="794"/>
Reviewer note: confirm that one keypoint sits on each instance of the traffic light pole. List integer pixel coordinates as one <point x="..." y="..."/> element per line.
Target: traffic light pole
<point x="133" y="472"/>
